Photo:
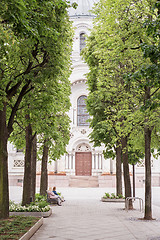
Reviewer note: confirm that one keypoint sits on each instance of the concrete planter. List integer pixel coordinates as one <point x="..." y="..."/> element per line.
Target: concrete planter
<point x="34" y="214"/>
<point x="32" y="230"/>
<point x="113" y="200"/>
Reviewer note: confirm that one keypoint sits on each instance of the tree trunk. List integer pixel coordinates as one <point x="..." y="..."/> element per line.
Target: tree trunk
<point x="134" y="185"/>
<point x="27" y="169"/>
<point x="118" y="170"/>
<point x="148" y="202"/>
<point x="127" y="182"/>
<point x="44" y="172"/>
<point x="33" y="168"/>
<point x="147" y="136"/>
<point x="4" y="192"/>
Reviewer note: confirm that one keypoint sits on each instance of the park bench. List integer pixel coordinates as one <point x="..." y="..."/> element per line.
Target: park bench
<point x="52" y="199"/>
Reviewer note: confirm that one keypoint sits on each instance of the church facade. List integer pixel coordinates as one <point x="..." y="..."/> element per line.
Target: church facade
<point x="83" y="165"/>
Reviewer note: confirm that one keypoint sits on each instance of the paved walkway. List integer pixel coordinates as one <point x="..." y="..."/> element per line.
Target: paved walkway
<point x="84" y="217"/>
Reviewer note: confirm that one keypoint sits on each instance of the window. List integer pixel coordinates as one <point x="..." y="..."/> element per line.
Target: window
<point x="82" y="114"/>
<point x="20" y="150"/>
<point x="82" y="41"/>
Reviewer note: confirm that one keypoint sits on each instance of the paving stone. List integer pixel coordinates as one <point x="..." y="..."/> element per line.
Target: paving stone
<point x="83" y="217"/>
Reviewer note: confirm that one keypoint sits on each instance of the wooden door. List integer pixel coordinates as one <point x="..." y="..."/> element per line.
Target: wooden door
<point x="83" y="163"/>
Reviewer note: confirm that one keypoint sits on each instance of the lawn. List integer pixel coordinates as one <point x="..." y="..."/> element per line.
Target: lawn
<point x="16" y="226"/>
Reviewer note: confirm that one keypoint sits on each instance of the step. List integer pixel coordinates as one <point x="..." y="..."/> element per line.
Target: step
<point x="83" y="181"/>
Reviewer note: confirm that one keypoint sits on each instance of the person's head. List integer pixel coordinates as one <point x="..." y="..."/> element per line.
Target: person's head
<point x="54" y="188"/>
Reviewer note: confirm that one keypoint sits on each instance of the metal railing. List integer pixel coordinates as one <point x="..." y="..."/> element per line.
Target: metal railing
<point x="133" y="199"/>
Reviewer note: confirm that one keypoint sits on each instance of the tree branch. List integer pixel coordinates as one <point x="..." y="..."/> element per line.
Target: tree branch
<point x="34" y="136"/>
<point x="15" y="108"/>
<point x="154" y="92"/>
<point x="19" y="125"/>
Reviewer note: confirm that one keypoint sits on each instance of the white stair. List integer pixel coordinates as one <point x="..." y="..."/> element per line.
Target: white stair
<point x="83" y="181"/>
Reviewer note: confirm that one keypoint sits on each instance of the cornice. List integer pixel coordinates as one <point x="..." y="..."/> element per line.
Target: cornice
<point x="79" y="81"/>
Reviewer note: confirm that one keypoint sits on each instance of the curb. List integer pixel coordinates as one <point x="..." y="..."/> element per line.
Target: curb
<point x="32" y="230"/>
<point x="112" y="200"/>
<point x="34" y="214"/>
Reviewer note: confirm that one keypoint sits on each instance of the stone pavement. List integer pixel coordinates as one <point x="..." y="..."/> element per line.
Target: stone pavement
<point x="84" y="217"/>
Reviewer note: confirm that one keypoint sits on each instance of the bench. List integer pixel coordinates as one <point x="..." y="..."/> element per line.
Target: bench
<point x="53" y="200"/>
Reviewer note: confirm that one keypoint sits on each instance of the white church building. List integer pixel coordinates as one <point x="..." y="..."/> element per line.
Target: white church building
<point x="82" y="165"/>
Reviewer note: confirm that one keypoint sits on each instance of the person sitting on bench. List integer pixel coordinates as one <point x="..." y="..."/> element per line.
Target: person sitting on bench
<point x="54" y="191"/>
<point x="51" y="196"/>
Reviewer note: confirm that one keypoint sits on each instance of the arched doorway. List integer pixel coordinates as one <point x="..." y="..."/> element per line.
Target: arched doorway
<point x="83" y="160"/>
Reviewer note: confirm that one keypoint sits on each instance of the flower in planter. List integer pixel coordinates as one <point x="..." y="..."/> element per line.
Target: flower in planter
<point x="41" y="207"/>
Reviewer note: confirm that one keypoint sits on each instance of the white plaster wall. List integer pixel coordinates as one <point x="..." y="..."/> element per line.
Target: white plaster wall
<point x="14" y="155"/>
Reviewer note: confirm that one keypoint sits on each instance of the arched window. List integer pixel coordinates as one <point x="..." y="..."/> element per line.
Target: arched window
<point x="82" y="41"/>
<point x="82" y="114"/>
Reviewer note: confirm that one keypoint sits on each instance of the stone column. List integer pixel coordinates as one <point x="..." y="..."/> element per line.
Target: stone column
<point x="100" y="161"/>
<point x="67" y="160"/>
<point x="111" y="166"/>
<point x="55" y="167"/>
<point x="74" y="161"/>
<point x="96" y="161"/>
<point x="74" y="116"/>
<point x="93" y="160"/>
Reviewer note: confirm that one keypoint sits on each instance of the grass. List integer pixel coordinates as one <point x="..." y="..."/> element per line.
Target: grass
<point x="16" y="226"/>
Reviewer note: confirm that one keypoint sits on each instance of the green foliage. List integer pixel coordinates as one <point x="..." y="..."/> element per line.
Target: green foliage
<point x="36" y="45"/>
<point x="120" y="196"/>
<point x="35" y="39"/>
<point x="112" y="196"/>
<point x="16" y="226"/>
<point x="40" y="205"/>
<point x="107" y="195"/>
<point x="39" y="198"/>
<point x="121" y="57"/>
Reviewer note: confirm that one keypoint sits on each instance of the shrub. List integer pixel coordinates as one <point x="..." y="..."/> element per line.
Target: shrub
<point x="37" y="206"/>
<point x="107" y="195"/>
<point x="31" y="208"/>
<point x="39" y="197"/>
<point x="120" y="196"/>
<point x="112" y="196"/>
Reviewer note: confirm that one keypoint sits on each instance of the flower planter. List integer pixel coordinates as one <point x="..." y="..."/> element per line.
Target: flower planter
<point x="113" y="200"/>
<point x="34" y="214"/>
<point x="32" y="230"/>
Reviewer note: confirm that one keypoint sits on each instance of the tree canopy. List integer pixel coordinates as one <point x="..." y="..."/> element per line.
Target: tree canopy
<point x="35" y="38"/>
<point x="123" y="77"/>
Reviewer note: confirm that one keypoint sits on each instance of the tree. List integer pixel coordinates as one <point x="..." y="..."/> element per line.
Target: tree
<point x="44" y="172"/>
<point x="54" y="145"/>
<point x="148" y="76"/>
<point x="102" y="133"/>
<point x="35" y="46"/>
<point x="118" y="34"/>
<point x="47" y="119"/>
<point x="105" y="105"/>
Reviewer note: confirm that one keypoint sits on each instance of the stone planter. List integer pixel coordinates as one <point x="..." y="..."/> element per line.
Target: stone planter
<point x="34" y="214"/>
<point x="32" y="230"/>
<point x="113" y="200"/>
